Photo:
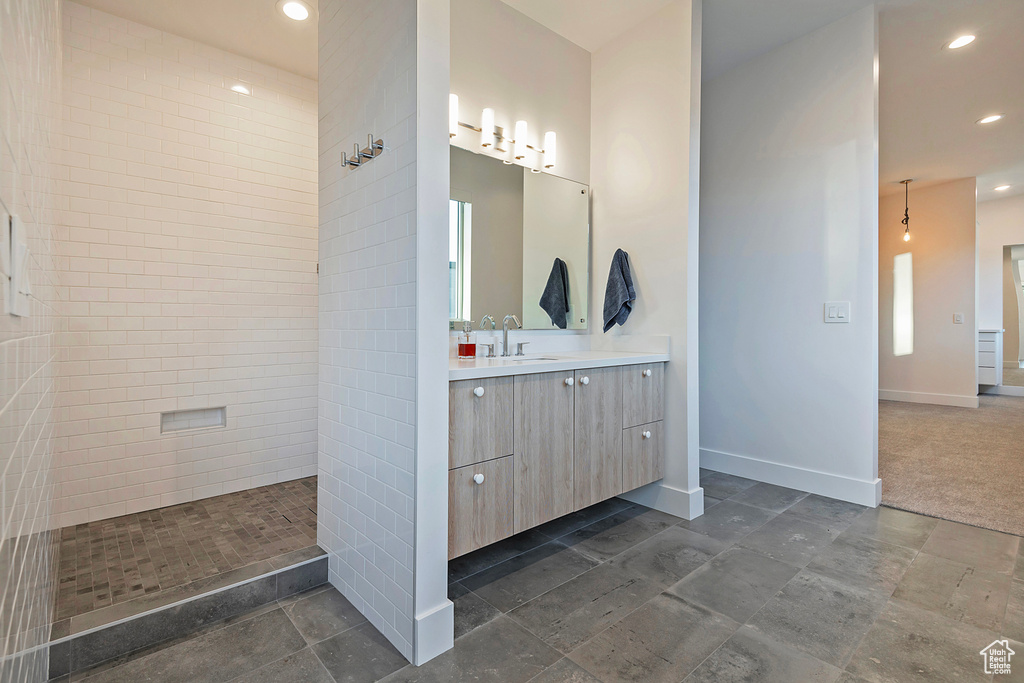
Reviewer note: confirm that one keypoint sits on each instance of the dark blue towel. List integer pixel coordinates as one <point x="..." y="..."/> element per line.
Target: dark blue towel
<point x="555" y="299"/>
<point x="618" y="293"/>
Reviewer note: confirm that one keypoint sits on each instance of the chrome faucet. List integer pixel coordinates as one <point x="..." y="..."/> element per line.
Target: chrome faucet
<point x="485" y="319"/>
<point x="505" y="351"/>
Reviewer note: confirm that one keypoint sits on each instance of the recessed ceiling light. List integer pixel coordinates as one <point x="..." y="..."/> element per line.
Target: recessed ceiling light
<point x="991" y="119"/>
<point x="961" y="41"/>
<point x="1002" y="188"/>
<point x="239" y="88"/>
<point x="294" y="9"/>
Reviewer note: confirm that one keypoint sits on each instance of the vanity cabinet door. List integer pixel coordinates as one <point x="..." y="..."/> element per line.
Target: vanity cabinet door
<point x="543" y="447"/>
<point x="479" y="505"/>
<point x="598" y="443"/>
<point x="643" y="455"/>
<point x="643" y="394"/>
<point x="479" y="420"/>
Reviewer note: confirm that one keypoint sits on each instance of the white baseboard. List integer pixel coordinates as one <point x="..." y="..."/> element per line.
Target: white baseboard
<point x="674" y="501"/>
<point x="822" y="483"/>
<point x="934" y="399"/>
<point x="435" y="633"/>
<point x="1003" y="390"/>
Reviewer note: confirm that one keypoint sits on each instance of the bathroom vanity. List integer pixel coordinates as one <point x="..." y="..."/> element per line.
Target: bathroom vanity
<point x="532" y="439"/>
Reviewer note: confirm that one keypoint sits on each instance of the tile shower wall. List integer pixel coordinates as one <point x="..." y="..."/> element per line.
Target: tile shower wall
<point x="30" y="63"/>
<point x="191" y="262"/>
<point x="367" y="309"/>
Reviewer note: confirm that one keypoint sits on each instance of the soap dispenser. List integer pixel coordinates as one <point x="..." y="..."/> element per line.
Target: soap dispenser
<point x="467" y="341"/>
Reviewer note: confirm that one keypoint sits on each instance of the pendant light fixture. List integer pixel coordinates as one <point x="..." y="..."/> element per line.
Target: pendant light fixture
<point x="906" y="208"/>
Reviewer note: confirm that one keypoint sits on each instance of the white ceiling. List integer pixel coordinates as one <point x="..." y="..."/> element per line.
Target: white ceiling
<point x="930" y="97"/>
<point x="251" y="28"/>
<point x="588" y="23"/>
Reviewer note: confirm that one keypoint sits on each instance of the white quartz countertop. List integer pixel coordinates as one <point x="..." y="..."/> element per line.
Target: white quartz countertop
<point x="561" y="361"/>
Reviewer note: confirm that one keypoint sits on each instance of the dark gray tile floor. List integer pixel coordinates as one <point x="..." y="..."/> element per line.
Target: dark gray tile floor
<point x="770" y="585"/>
<point x="136" y="557"/>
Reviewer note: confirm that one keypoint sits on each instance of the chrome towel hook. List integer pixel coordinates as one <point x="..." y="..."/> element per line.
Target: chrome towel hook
<point x="374" y="148"/>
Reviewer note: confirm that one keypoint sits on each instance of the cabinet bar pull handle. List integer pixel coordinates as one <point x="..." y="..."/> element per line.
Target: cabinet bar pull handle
<point x="585" y="381"/>
<point x="569" y="381"/>
<point x="647" y="373"/>
<point x="479" y="391"/>
<point x="478" y="478"/>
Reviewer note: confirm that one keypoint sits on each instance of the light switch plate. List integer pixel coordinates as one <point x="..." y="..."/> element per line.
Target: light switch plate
<point x="958" y="318"/>
<point x="837" y="311"/>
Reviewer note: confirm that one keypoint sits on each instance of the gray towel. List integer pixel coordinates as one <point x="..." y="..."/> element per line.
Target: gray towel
<point x="618" y="293"/>
<point x="555" y="299"/>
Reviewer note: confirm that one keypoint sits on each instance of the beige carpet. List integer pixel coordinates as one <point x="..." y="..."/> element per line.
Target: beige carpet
<point x="1013" y="377"/>
<point x="962" y="464"/>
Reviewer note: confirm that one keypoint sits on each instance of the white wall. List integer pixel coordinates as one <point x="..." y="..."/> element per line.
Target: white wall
<point x="1000" y="224"/>
<point x="943" y="369"/>
<point x="646" y="118"/>
<point x="30" y="78"/>
<point x="789" y="220"/>
<point x="506" y="61"/>
<point x="191" y="269"/>
<point x="383" y="316"/>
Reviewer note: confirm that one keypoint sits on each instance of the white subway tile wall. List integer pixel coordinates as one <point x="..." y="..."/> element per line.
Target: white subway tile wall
<point x="190" y="269"/>
<point x="30" y="86"/>
<point x="367" y="309"/>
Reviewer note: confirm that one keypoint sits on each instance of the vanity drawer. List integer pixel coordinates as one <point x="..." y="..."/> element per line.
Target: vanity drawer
<point x="479" y="420"/>
<point x="643" y="394"/>
<point x="986" y="359"/>
<point x="987" y="376"/>
<point x="984" y="345"/>
<point x="643" y="455"/>
<point x="479" y="513"/>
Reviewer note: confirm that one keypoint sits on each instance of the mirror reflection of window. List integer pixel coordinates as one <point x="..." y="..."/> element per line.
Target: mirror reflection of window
<point x="460" y="230"/>
<point x="903" y="305"/>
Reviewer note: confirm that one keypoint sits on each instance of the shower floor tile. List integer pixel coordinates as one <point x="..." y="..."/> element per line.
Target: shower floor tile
<point x="143" y="555"/>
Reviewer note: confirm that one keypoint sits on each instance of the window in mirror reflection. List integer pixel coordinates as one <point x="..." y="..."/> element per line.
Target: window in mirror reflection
<point x="460" y="222"/>
<point x="903" y="305"/>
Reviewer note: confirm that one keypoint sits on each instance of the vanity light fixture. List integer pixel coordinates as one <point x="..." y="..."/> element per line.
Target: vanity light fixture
<point x="295" y="10"/>
<point x="241" y="89"/>
<point x="492" y="137"/>
<point x="1001" y="188"/>
<point x="549" y="149"/>
<point x="961" y="42"/>
<point x="906" y="208"/>
<point x="520" y="141"/>
<point x="453" y="115"/>
<point x="487" y="128"/>
<point x="992" y="118"/>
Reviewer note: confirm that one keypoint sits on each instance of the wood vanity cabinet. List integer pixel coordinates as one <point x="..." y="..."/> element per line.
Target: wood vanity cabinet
<point x="643" y="394"/>
<point x="479" y="505"/>
<point x="527" y="449"/>
<point x="479" y="420"/>
<point x="598" y="436"/>
<point x="543" y="447"/>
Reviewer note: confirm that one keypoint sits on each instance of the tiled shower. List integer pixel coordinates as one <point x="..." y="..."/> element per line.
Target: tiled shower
<point x="168" y="193"/>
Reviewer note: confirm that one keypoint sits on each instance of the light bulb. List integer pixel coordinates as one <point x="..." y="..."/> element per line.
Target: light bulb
<point x="295" y="10"/>
<point x="453" y="115"/>
<point x="991" y="119"/>
<point x="961" y="41"/>
<point x="487" y="128"/>
<point x="549" y="149"/>
<point x="906" y="235"/>
<point x="520" y="149"/>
